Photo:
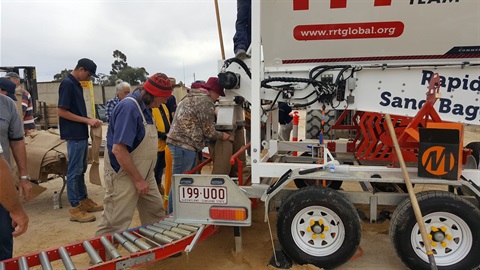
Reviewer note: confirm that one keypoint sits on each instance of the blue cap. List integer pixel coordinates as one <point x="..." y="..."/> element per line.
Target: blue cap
<point x="9" y="86"/>
<point x="88" y="65"/>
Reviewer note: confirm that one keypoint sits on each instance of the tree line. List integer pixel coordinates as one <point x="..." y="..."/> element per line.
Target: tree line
<point x="120" y="70"/>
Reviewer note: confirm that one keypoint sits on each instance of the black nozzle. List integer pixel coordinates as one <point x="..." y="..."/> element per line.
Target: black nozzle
<point x="229" y="80"/>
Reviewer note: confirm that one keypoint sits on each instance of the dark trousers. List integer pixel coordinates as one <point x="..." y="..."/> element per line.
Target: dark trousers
<point x="159" y="166"/>
<point x="6" y="238"/>
<point x="243" y="30"/>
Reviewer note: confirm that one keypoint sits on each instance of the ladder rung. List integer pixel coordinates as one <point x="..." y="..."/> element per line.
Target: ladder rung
<point x="67" y="261"/>
<point x="127" y="245"/>
<point x="23" y="264"/>
<point x="95" y="258"/>
<point x="44" y="261"/>
<point x="137" y="241"/>
<point x="155" y="236"/>
<point x="111" y="250"/>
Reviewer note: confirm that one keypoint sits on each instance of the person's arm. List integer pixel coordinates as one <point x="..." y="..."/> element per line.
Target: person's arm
<point x="207" y="120"/>
<point x="125" y="160"/>
<point x="77" y="118"/>
<point x="20" y="155"/>
<point x="108" y="110"/>
<point x="9" y="200"/>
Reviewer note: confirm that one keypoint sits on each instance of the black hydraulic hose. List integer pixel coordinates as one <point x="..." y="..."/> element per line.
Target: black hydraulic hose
<point x="280" y="181"/>
<point x="228" y="62"/>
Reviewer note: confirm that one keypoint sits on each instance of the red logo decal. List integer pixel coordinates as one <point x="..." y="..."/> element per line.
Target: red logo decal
<point x="304" y="4"/>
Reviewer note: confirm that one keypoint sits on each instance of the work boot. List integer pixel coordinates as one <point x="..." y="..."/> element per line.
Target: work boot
<point x="241" y="54"/>
<point x="79" y="215"/>
<point x="90" y="206"/>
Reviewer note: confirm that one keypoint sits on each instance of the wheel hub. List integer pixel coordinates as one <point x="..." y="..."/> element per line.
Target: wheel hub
<point x="439" y="236"/>
<point x="317" y="228"/>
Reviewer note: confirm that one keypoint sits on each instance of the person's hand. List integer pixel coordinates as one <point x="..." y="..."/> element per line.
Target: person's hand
<point x="94" y="122"/>
<point x="25" y="189"/>
<point x="142" y="187"/>
<point x="19" y="221"/>
<point x="225" y="136"/>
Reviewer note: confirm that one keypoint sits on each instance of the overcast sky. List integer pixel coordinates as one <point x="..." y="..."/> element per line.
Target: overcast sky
<point x="177" y="37"/>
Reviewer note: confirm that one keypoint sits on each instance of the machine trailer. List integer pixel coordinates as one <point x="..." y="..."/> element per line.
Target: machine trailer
<point x="415" y="60"/>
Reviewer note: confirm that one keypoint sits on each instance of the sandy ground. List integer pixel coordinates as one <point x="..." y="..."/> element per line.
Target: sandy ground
<point x="51" y="228"/>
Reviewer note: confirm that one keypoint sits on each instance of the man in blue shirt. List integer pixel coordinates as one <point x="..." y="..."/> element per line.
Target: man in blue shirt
<point x="74" y="124"/>
<point x="132" y="144"/>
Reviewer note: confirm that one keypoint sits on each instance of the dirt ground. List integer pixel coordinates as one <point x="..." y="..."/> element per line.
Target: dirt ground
<point x="51" y="228"/>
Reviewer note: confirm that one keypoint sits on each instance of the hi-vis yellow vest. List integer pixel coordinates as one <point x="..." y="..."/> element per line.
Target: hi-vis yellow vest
<point x="162" y="120"/>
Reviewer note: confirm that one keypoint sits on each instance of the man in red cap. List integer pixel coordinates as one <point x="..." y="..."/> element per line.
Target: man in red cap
<point x="132" y="144"/>
<point x="194" y="122"/>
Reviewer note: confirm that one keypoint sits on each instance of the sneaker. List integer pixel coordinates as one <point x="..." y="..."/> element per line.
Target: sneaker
<point x="241" y="54"/>
<point x="79" y="215"/>
<point x="90" y="206"/>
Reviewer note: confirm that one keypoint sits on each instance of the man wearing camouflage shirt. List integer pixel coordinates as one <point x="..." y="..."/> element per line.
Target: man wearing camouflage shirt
<point x="194" y="121"/>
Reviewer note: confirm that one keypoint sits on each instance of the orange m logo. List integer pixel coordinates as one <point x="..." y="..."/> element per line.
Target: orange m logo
<point x="437" y="161"/>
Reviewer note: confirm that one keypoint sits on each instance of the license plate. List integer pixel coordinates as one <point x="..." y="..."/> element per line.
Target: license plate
<point x="200" y="194"/>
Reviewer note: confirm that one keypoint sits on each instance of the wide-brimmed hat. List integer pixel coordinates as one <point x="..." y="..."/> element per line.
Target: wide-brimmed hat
<point x="213" y="85"/>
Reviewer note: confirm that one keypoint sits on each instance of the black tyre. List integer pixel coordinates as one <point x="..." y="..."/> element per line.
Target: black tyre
<point x="475" y="147"/>
<point x="451" y="222"/>
<point x="301" y="183"/>
<point x="318" y="226"/>
<point x="314" y="123"/>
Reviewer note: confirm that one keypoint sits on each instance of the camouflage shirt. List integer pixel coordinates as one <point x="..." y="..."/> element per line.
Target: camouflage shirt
<point x="194" y="121"/>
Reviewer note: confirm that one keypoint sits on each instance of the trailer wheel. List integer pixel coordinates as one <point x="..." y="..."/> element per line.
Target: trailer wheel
<point x="318" y="226"/>
<point x="475" y="147"/>
<point x="452" y="224"/>
<point x="333" y="184"/>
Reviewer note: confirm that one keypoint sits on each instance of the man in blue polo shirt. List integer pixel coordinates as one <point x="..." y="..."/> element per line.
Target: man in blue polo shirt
<point x="132" y="144"/>
<point x="74" y="124"/>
